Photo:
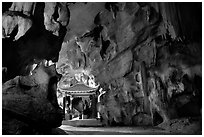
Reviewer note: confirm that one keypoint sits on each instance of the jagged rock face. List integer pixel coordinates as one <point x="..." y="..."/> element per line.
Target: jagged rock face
<point x="141" y="54"/>
<point x="32" y="32"/>
<point x="30" y="35"/>
<point x="31" y="102"/>
<point x="51" y="22"/>
<point x="20" y="13"/>
<point x="112" y="47"/>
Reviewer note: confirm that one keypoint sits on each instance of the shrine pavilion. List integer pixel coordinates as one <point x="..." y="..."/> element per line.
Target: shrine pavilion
<point x="82" y="91"/>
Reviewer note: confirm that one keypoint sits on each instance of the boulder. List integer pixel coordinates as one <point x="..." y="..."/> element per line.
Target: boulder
<point x="31" y="101"/>
<point x="142" y="119"/>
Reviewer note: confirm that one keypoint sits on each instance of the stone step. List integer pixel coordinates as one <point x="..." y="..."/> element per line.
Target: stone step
<point x="83" y="123"/>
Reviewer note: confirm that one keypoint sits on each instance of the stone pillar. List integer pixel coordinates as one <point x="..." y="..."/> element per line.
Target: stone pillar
<point x="101" y="92"/>
<point x="98" y="101"/>
<point x="82" y="113"/>
<point x="94" y="106"/>
<point x="64" y="105"/>
<point x="70" y="107"/>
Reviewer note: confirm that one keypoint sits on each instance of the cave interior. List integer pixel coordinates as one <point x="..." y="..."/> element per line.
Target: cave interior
<point x="143" y="60"/>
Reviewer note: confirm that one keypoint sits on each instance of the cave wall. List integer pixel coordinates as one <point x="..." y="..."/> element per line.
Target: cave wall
<point x="31" y="32"/>
<point x="139" y="53"/>
<point x="145" y="55"/>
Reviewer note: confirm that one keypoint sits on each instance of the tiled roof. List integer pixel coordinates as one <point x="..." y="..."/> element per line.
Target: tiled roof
<point x="78" y="88"/>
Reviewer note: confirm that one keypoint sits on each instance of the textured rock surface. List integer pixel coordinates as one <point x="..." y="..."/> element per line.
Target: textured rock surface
<point x="11" y="22"/>
<point x="112" y="43"/>
<point x="31" y="102"/>
<point x="185" y="126"/>
<point x="146" y="56"/>
<point x="50" y="21"/>
<point x="26" y="39"/>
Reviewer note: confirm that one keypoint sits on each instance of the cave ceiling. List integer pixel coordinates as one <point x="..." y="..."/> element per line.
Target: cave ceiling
<point x="98" y="41"/>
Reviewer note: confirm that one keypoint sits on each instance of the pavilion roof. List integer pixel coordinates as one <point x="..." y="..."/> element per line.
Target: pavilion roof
<point x="78" y="87"/>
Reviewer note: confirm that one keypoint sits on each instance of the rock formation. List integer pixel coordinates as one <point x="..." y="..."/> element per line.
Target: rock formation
<point x="30" y="102"/>
<point x="139" y="54"/>
<point x="29" y="94"/>
<point x="29" y="36"/>
<point x="146" y="56"/>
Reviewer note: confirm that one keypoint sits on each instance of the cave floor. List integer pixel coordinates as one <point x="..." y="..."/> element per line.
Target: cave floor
<point x="71" y="130"/>
<point x="93" y="127"/>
